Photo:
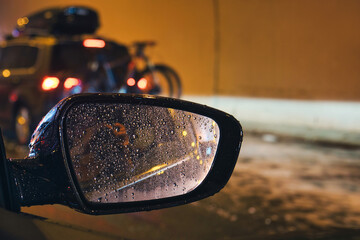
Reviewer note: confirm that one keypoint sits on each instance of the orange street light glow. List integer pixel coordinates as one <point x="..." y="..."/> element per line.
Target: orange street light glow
<point x="6" y="73"/>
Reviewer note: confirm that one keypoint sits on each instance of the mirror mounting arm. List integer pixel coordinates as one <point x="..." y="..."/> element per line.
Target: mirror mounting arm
<point x="39" y="182"/>
<point x="7" y="188"/>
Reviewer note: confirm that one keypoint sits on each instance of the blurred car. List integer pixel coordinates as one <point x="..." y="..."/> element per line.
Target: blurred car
<point x="51" y="55"/>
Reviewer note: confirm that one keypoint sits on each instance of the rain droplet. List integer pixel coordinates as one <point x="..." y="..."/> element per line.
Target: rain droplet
<point x="252" y="210"/>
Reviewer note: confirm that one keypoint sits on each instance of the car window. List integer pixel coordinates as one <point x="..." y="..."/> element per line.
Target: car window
<point x="68" y="57"/>
<point x="90" y="63"/>
<point x="18" y="56"/>
<point x="118" y="58"/>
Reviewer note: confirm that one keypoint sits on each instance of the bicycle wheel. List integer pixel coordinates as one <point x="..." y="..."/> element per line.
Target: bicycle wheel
<point x="158" y="83"/>
<point x="172" y="78"/>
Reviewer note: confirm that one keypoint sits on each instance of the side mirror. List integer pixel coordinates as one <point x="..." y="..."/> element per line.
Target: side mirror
<point x="112" y="153"/>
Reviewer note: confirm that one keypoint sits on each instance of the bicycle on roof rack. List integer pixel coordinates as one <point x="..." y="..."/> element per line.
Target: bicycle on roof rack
<point x="142" y="76"/>
<point x="146" y="77"/>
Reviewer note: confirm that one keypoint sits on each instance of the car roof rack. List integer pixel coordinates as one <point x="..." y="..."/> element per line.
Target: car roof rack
<point x="70" y="20"/>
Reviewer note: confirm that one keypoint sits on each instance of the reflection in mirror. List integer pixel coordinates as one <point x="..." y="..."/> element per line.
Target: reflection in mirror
<point x="125" y="153"/>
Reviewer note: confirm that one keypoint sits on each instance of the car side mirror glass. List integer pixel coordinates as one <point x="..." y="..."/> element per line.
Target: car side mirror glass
<point x="126" y="153"/>
<point x="113" y="153"/>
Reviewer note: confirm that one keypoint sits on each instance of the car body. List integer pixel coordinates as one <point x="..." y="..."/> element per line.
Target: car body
<point x="38" y="71"/>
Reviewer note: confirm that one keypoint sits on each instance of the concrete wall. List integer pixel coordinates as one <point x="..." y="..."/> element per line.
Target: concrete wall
<point x="304" y="49"/>
<point x="324" y="121"/>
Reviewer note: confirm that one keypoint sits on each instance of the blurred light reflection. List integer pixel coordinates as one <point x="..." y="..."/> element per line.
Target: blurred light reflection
<point x="6" y="73"/>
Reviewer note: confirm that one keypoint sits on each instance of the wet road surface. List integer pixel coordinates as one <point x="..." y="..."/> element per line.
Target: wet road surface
<point x="280" y="189"/>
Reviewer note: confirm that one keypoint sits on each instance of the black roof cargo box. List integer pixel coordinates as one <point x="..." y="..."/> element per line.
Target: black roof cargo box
<point x="69" y="20"/>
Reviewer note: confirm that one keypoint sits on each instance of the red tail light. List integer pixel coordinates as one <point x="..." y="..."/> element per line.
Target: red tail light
<point x="94" y="43"/>
<point x="131" y="82"/>
<point x="71" y="82"/>
<point x="13" y="97"/>
<point x="142" y="83"/>
<point x="50" y="83"/>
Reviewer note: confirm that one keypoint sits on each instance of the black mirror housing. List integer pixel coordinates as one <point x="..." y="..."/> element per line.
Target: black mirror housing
<point x="7" y="195"/>
<point x="49" y="174"/>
